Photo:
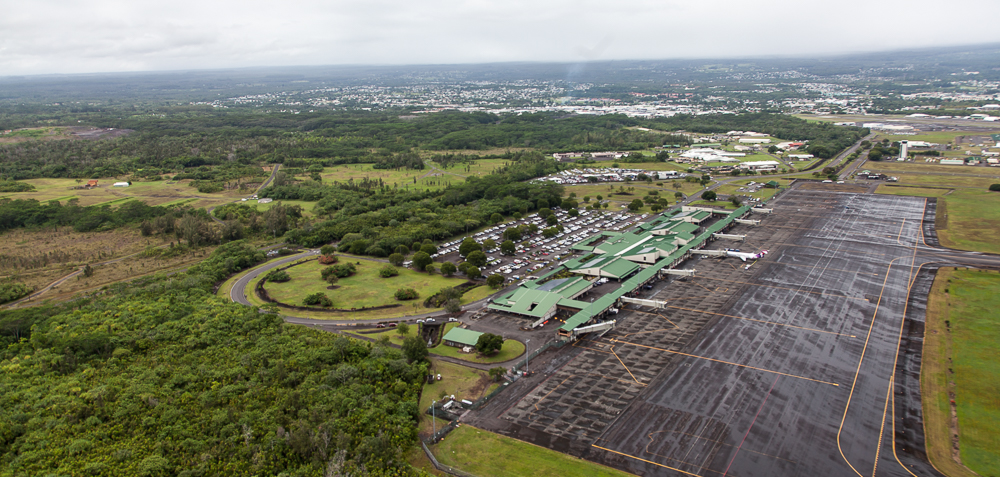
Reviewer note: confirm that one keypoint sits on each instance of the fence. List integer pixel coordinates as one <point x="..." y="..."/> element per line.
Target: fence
<point x="443" y="468"/>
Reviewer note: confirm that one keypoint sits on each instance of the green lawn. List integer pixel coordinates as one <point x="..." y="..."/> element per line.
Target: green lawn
<point x="486" y="454"/>
<point x="365" y="288"/>
<point x="461" y="381"/>
<point x="511" y="350"/>
<point x="967" y="299"/>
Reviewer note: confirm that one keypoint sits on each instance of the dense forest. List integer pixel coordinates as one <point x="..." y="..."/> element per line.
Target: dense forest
<point x="160" y="377"/>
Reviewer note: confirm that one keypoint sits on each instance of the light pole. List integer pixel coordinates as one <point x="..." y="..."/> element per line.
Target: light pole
<point x="526" y="354"/>
<point x="433" y="422"/>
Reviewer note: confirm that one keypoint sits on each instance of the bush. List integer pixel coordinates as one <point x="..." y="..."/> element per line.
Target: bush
<point x="406" y="294"/>
<point x="388" y="271"/>
<point x="995" y="187"/>
<point x="328" y="259"/>
<point x="396" y="258"/>
<point x="448" y="269"/>
<point x="10" y="291"/>
<point x="495" y="280"/>
<point x="341" y="270"/>
<point x="318" y="299"/>
<point x="278" y="276"/>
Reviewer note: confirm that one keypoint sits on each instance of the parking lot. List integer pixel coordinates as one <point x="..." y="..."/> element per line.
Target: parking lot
<point x="537" y="254"/>
<point x="785" y="368"/>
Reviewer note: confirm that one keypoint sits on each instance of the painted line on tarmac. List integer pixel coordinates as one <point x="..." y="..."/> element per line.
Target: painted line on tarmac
<point x="725" y="362"/>
<point x="646" y="461"/>
<point x="761" y="321"/>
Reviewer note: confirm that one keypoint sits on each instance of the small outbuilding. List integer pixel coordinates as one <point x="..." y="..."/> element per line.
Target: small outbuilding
<point x="121" y="184"/>
<point x="460" y="337"/>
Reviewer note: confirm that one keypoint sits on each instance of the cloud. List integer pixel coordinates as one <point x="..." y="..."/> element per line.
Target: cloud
<point x="63" y="36"/>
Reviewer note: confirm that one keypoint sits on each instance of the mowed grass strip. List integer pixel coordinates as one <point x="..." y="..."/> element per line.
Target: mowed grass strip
<point x="486" y="454"/>
<point x="967" y="299"/>
<point x="365" y="288"/>
<point x="971" y="219"/>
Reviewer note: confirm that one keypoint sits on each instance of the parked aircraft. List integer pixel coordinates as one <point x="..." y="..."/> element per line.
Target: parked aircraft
<point x="744" y="255"/>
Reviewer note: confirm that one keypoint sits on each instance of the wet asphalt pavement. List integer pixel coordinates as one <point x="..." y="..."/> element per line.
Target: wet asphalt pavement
<point x="809" y="364"/>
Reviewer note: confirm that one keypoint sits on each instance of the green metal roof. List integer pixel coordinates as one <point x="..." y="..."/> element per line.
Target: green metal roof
<point x="567" y="287"/>
<point x="606" y="301"/>
<point x="527" y="302"/>
<point x="619" y="268"/>
<point x="463" y="336"/>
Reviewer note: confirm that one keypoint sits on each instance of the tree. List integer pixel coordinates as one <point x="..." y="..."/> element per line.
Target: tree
<point x="551" y="220"/>
<point x="429" y="248"/>
<point x="507" y="247"/>
<point x="568" y="204"/>
<point x="544" y="212"/>
<point x="396" y="259"/>
<point x="468" y="246"/>
<point x="574" y="213"/>
<point x="656" y="207"/>
<point x="586" y="199"/>
<point x="735" y="200"/>
<point x="490" y="244"/>
<point x="453" y="305"/>
<point x="472" y="272"/>
<point x="995" y="187"/>
<point x="678" y="195"/>
<point x="662" y="156"/>
<point x="448" y="269"/>
<point x="327" y="250"/>
<point x="513" y="233"/>
<point x="477" y="258"/>
<point x="600" y="197"/>
<point x="421" y="260"/>
<point x="403" y="250"/>
<point x="414" y="349"/>
<point x="709" y="195"/>
<point x="541" y="204"/>
<point x="494" y="281"/>
<point x="430" y="269"/>
<point x="489" y="343"/>
<point x="635" y="205"/>
<point x="496" y="218"/>
<point x="403" y="329"/>
<point x="497" y="372"/>
<point x="88" y="271"/>
<point x="550" y="232"/>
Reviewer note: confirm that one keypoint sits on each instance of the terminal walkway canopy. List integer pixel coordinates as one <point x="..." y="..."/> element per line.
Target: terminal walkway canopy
<point x="607" y="301"/>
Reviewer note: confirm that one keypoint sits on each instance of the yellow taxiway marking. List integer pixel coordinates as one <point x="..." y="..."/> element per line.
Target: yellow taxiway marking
<point x="646" y="461"/>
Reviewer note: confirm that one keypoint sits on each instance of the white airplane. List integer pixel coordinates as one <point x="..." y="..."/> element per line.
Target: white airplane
<point x="744" y="256"/>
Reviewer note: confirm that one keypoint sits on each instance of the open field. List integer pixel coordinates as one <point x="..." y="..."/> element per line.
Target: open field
<point x="461" y="381"/>
<point x="487" y="454"/>
<point x="971" y="301"/>
<point x="360" y="282"/>
<point x="935" y="380"/>
<point x="38" y="257"/>
<point x="152" y="193"/>
<point x="939" y="137"/>
<point x="403" y="178"/>
<point x="889" y="189"/>
<point x="307" y="207"/>
<point x="481" y="167"/>
<point x="365" y="288"/>
<point x="895" y="168"/>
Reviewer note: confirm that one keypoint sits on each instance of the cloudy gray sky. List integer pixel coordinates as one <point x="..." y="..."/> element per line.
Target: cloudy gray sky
<point x="73" y="36"/>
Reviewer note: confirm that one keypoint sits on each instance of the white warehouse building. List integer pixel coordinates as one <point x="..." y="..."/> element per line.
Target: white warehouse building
<point x="760" y="165"/>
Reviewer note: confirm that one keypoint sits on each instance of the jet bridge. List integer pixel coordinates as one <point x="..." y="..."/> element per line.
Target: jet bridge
<point x="747" y="221"/>
<point x="740" y="238"/>
<point x="600" y="327"/>
<point x="657" y="304"/>
<point x="761" y="210"/>
<point x="680" y="273"/>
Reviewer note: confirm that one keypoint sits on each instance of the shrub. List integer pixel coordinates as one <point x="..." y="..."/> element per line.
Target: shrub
<point x="388" y="271"/>
<point x="278" y="276"/>
<point x="489" y="343"/>
<point x="396" y="258"/>
<point x="318" y="299"/>
<point x="328" y="259"/>
<point x="995" y="187"/>
<point x="341" y="270"/>
<point x="406" y="294"/>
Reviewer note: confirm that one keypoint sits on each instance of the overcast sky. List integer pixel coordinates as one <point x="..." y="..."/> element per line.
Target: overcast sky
<point x="75" y="36"/>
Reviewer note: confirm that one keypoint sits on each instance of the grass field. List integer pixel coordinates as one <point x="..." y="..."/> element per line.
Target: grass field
<point x="968" y="216"/>
<point x="967" y="300"/>
<point x="307" y="207"/>
<point x="894" y="168"/>
<point x="486" y="454"/>
<point x="363" y="289"/>
<point x="461" y="381"/>
<point x="402" y="178"/>
<point x="940" y="137"/>
<point x="152" y="193"/>
<point x="481" y="167"/>
<point x="511" y="348"/>
<point x="763" y="193"/>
